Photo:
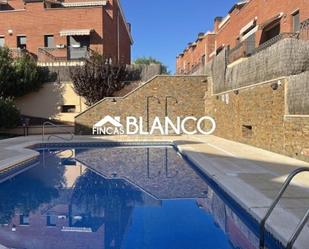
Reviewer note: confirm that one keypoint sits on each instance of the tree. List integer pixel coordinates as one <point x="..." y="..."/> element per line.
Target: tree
<point x="30" y="77"/>
<point x="97" y="79"/>
<point x="7" y="71"/>
<point x="19" y="76"/>
<point x="9" y="115"/>
<point x="150" y="60"/>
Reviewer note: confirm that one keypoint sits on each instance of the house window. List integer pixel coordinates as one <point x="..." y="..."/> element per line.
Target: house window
<point x="203" y="59"/>
<point x="219" y="49"/>
<point x="22" y="42"/>
<point x="68" y="109"/>
<point x="270" y="32"/>
<point x="24" y="219"/>
<point x="49" y="41"/>
<point x="296" y="21"/>
<point x="51" y="220"/>
<point x="1" y="41"/>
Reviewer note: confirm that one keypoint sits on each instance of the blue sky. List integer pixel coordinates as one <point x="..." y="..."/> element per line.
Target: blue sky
<point x="162" y="28"/>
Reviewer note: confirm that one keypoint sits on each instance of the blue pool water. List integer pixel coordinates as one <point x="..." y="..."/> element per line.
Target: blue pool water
<point x="130" y="197"/>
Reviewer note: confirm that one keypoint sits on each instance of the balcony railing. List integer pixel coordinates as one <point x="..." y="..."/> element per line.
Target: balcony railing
<point x="274" y="40"/>
<point x="51" y="54"/>
<point x="237" y="52"/>
<point x="304" y="30"/>
<point x="63" y="54"/>
<point x="245" y="49"/>
<point x="78" y="53"/>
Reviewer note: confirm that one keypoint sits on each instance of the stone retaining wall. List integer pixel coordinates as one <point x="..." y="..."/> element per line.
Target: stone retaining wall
<point x="257" y="116"/>
<point x="189" y="91"/>
<point x="298" y="94"/>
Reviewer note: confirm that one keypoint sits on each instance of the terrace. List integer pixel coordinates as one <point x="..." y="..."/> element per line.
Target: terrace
<point x="63" y="56"/>
<point x="246" y="48"/>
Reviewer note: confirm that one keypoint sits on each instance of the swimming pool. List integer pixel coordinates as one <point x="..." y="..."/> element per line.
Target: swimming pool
<point x="129" y="196"/>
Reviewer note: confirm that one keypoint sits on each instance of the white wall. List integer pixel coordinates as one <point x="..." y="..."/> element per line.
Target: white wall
<point x="47" y="102"/>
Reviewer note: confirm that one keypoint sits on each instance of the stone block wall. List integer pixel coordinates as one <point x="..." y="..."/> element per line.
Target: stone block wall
<point x="189" y="91"/>
<point x="257" y="115"/>
<point x="298" y="94"/>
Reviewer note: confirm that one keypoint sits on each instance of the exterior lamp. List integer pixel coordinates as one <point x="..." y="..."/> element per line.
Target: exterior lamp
<point x="274" y="86"/>
<point x="10" y="32"/>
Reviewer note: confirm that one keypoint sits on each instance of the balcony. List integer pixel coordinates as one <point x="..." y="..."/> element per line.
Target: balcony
<point x="304" y="30"/>
<point x="70" y="56"/>
<point x="247" y="48"/>
<point x="275" y="39"/>
<point x="237" y="52"/>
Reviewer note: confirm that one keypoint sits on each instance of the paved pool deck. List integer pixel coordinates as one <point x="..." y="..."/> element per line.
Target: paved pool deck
<point x="250" y="175"/>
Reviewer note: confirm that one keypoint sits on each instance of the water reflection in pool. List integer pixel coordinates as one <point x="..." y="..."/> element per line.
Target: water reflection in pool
<point x="116" y="197"/>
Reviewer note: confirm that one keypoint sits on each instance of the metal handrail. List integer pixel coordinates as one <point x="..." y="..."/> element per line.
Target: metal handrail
<point x="270" y="210"/>
<point x="299" y="228"/>
<point x="57" y="126"/>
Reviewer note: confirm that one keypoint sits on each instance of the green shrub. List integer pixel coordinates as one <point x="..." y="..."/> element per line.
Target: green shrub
<point x="9" y="115"/>
<point x="19" y="76"/>
<point x="7" y="71"/>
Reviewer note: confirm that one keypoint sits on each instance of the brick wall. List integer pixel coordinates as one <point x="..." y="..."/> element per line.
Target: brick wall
<point x="111" y="20"/>
<point x="256" y="115"/>
<point x="264" y="10"/>
<point x="228" y="30"/>
<point x="196" y="56"/>
<point x="34" y="21"/>
<point x="189" y="92"/>
<point x="48" y="21"/>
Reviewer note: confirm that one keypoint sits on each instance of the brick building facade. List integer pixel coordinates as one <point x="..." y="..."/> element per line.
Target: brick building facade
<point x="53" y="30"/>
<point x="249" y="25"/>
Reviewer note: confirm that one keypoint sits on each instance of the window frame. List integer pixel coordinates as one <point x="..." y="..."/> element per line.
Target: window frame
<point x="18" y="41"/>
<point x="46" y="41"/>
<point x="66" y="108"/>
<point x="2" y="37"/>
<point x="295" y="14"/>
